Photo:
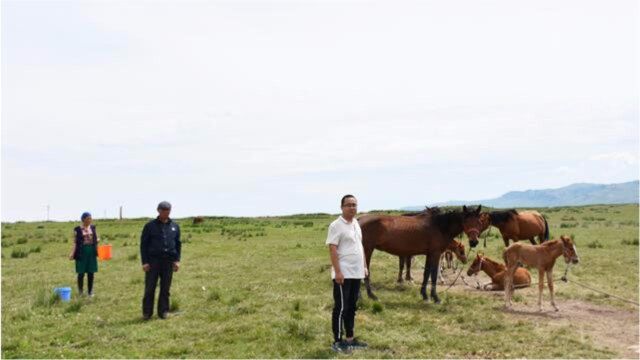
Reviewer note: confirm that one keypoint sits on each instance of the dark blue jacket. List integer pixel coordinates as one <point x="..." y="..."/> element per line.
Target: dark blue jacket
<point x="77" y="255"/>
<point x="160" y="241"/>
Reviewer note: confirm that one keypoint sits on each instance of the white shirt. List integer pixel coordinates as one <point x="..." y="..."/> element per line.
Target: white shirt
<point x="348" y="238"/>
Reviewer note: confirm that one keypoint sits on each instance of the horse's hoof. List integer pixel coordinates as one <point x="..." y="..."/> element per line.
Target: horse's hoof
<point x="436" y="301"/>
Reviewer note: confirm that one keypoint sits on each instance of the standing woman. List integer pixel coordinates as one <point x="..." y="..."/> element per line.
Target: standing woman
<point x="85" y="251"/>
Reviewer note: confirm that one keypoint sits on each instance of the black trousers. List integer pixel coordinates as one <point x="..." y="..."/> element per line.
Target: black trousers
<point x="345" y="297"/>
<point x="160" y="269"/>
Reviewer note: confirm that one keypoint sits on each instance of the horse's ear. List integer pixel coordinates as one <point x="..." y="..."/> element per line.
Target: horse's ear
<point x="479" y="208"/>
<point x="464" y="208"/>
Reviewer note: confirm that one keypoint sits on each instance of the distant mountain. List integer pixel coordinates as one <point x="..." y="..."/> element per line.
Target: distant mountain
<point x="572" y="195"/>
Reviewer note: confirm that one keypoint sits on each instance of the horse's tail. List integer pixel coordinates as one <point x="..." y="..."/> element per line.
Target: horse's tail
<point x="546" y="228"/>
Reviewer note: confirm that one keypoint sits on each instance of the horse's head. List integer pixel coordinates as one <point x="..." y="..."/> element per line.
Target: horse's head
<point x="485" y="221"/>
<point x="569" y="250"/>
<point x="457" y="248"/>
<point x="476" y="266"/>
<point x="471" y="224"/>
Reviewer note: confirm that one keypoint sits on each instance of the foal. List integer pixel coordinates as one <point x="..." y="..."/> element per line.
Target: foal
<point x="455" y="248"/>
<point x="543" y="257"/>
<point x="497" y="272"/>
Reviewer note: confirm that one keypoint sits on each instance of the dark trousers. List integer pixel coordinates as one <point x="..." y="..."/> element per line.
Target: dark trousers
<point x="89" y="282"/>
<point x="162" y="269"/>
<point x="345" y="297"/>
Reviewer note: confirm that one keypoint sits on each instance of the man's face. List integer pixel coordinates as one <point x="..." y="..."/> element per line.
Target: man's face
<point x="349" y="207"/>
<point x="164" y="213"/>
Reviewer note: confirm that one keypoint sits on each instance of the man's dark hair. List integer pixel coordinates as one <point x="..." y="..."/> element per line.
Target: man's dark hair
<point x="345" y="198"/>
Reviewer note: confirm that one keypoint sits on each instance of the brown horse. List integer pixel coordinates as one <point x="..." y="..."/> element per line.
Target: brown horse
<point x="542" y="257"/>
<point x="455" y="248"/>
<point x="425" y="234"/>
<point x="516" y="225"/>
<point x="497" y="272"/>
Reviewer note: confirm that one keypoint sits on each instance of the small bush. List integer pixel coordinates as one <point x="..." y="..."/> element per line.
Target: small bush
<point x="22" y="241"/>
<point x="36" y="249"/>
<point x="214" y="295"/>
<point x="629" y="242"/>
<point x="595" y="245"/>
<point x="19" y="253"/>
<point x="74" y="307"/>
<point x="175" y="305"/>
<point x="45" y="298"/>
<point x="376" y="307"/>
<point x="132" y="257"/>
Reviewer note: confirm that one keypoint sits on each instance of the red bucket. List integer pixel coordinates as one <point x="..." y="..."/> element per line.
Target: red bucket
<point x="104" y="252"/>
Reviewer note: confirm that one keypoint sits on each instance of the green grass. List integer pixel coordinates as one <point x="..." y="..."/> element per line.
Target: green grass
<point x="261" y="287"/>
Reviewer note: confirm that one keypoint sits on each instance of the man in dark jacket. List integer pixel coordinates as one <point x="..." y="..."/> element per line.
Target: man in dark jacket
<point x="160" y="253"/>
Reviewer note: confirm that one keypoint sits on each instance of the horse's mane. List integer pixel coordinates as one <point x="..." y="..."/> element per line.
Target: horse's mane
<point x="427" y="211"/>
<point x="500" y="217"/>
<point x="550" y="242"/>
<point x="492" y="261"/>
<point x="443" y="219"/>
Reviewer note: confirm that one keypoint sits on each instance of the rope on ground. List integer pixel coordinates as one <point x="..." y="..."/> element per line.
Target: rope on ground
<point x="564" y="278"/>
<point x="599" y="291"/>
<point x="459" y="272"/>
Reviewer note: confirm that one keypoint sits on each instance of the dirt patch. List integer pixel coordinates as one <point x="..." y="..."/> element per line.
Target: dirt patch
<point x="608" y="327"/>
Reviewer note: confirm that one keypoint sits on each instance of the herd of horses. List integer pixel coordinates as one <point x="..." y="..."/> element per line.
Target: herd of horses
<point x="432" y="232"/>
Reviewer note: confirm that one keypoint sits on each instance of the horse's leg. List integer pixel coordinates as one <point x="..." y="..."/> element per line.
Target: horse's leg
<point x="540" y="287"/>
<point x="401" y="260"/>
<point x="434" y="279"/>
<point x="506" y="241"/>
<point x="425" y="278"/>
<point x="367" y="254"/>
<point x="533" y="240"/>
<point x="508" y="280"/>
<point x="550" y="284"/>
<point x="408" y="273"/>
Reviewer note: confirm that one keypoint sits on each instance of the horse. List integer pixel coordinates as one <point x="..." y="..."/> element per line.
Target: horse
<point x="406" y="260"/>
<point x="455" y="248"/>
<point x="429" y="234"/>
<point x="516" y="225"/>
<point x="543" y="257"/>
<point x="198" y="220"/>
<point x="497" y="272"/>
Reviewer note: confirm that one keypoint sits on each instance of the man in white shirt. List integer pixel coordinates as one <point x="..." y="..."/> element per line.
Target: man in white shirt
<point x="348" y="268"/>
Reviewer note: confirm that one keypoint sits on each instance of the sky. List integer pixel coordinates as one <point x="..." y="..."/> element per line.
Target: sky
<point x="251" y="108"/>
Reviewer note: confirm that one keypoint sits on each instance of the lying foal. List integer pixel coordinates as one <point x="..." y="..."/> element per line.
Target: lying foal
<point x="497" y="272"/>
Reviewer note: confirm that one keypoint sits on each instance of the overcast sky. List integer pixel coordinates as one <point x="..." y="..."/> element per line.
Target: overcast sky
<point x="267" y="108"/>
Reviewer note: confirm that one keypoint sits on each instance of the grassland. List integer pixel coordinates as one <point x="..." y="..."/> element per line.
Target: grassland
<point x="260" y="287"/>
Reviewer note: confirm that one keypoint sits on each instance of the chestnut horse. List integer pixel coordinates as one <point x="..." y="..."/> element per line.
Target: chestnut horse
<point x="455" y="248"/>
<point x="497" y="272"/>
<point x="516" y="225"/>
<point x="424" y="234"/>
<point x="542" y="257"/>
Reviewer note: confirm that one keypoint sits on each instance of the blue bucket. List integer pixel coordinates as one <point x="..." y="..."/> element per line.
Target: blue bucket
<point x="64" y="293"/>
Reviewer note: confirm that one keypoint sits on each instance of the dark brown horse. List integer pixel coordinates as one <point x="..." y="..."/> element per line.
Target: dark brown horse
<point x="425" y="234"/>
<point x="514" y="225"/>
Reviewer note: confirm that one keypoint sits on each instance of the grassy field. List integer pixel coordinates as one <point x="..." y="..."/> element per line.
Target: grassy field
<point x="261" y="287"/>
